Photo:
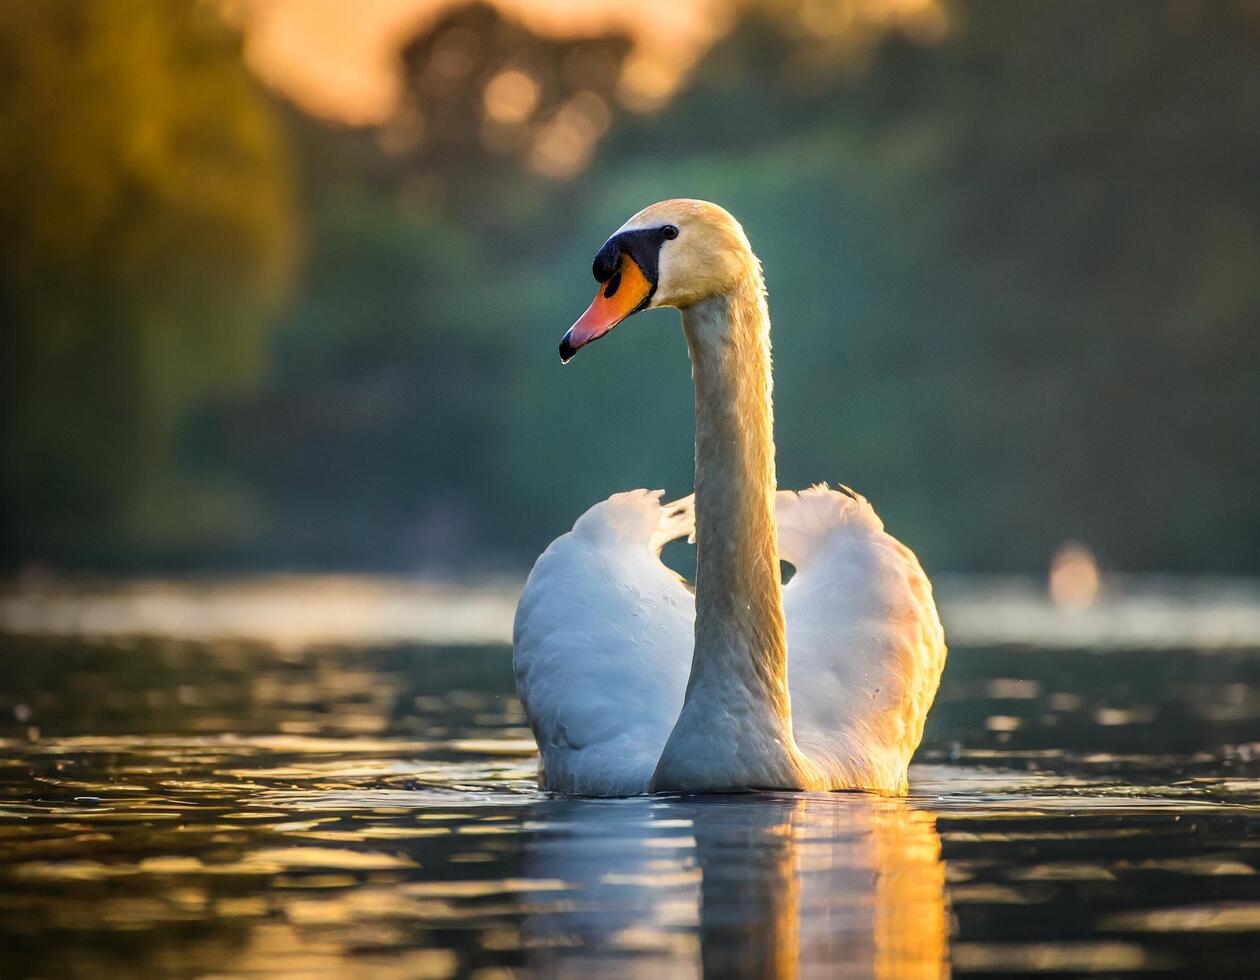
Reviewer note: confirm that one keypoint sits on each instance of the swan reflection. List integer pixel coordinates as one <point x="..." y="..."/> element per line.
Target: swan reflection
<point x="760" y="885"/>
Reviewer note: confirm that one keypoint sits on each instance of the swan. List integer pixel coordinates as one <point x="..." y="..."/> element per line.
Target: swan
<point x="631" y="685"/>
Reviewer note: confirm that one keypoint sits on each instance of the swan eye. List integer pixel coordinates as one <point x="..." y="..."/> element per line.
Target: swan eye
<point x="670" y="231"/>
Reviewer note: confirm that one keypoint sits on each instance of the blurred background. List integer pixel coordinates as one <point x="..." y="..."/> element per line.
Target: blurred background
<point x="282" y="281"/>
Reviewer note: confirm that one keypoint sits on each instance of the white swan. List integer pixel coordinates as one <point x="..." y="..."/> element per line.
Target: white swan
<point x="630" y="686"/>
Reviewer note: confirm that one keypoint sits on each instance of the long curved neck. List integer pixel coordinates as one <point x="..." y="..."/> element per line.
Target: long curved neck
<point x="740" y="639"/>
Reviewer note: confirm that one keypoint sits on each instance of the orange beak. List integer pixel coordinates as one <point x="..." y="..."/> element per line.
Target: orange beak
<point x="625" y="293"/>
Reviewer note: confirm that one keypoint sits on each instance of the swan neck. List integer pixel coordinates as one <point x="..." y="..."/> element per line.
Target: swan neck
<point x="740" y="637"/>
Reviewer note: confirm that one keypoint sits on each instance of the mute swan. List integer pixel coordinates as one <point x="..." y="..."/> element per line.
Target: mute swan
<point x="630" y="686"/>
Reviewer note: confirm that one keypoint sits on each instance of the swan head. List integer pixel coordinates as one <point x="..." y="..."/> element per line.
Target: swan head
<point x="673" y="253"/>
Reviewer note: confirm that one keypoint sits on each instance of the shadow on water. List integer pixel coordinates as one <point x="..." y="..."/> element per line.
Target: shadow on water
<point x="226" y="809"/>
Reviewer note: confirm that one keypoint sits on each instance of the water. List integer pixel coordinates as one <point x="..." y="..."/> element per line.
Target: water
<point x="226" y="809"/>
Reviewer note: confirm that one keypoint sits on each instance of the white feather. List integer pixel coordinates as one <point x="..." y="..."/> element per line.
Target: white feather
<point x="865" y="644"/>
<point x="603" y="643"/>
<point x="602" y="646"/>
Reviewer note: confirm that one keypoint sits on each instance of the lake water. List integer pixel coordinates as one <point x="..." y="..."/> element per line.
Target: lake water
<point x="220" y="808"/>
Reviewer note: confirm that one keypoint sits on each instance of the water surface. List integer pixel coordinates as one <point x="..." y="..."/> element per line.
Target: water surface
<point x="225" y="809"/>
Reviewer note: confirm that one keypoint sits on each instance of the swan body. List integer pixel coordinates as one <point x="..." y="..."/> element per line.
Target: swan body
<point x="631" y="684"/>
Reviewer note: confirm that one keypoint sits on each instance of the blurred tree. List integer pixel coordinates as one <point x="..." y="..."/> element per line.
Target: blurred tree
<point x="1012" y="253"/>
<point x="148" y="235"/>
<point x="1012" y="275"/>
<point x="407" y="357"/>
<point x="482" y="89"/>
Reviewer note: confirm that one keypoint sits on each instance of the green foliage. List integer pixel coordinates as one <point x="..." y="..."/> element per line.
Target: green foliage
<point x="1013" y="277"/>
<point x="147" y="223"/>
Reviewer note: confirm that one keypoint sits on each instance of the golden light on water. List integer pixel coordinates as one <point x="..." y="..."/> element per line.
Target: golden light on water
<point x="339" y="811"/>
<point x="911" y="916"/>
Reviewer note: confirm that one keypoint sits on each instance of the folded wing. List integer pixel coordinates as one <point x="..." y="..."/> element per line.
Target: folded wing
<point x="602" y="646"/>
<point x="865" y="645"/>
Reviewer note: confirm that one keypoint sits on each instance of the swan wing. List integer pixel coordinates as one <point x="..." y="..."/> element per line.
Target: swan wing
<point x="865" y="644"/>
<point x="602" y="644"/>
